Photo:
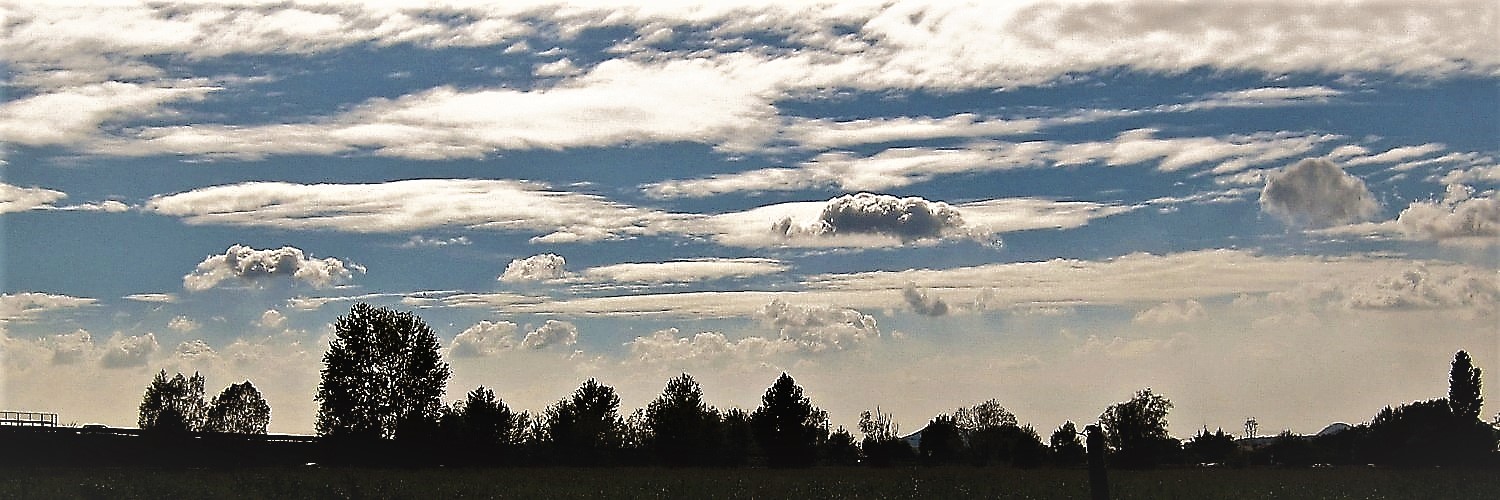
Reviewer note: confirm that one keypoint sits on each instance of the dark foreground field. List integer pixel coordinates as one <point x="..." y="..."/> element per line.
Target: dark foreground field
<point x="957" y="482"/>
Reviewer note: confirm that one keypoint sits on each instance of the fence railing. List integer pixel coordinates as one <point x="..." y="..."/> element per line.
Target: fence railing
<point x="28" y="419"/>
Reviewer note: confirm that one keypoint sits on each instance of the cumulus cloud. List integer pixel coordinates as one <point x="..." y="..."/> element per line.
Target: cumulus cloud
<point x="419" y="241"/>
<point x="243" y="263"/>
<point x="488" y="339"/>
<point x="1466" y="292"/>
<point x="272" y="319"/>
<point x="552" y="333"/>
<point x="817" y="328"/>
<point x="666" y="347"/>
<point x="543" y="267"/>
<point x="484" y="339"/>
<point x="868" y="221"/>
<point x="182" y="324"/>
<point x="1318" y="193"/>
<point x="127" y="351"/>
<point x="923" y="304"/>
<point x="411" y="205"/>
<point x="1171" y="313"/>
<point x="20" y="199"/>
<point x="26" y="306"/>
<point x="1422" y="288"/>
<point x="905" y="219"/>
<point x="194" y="349"/>
<point x="70" y="348"/>
<point x="1460" y="216"/>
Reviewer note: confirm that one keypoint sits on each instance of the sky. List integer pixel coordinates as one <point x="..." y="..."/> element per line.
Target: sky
<point x="1272" y="209"/>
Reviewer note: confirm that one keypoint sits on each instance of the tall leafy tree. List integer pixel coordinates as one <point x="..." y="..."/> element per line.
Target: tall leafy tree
<point x="1136" y="430"/>
<point x="239" y="409"/>
<point x="787" y="425"/>
<point x="586" y="427"/>
<point x="382" y="370"/>
<point x="1066" y="448"/>
<point x="1463" y="388"/>
<point x="173" y="405"/>
<point x="682" y="429"/>
<point x="942" y="441"/>
<point x="485" y="419"/>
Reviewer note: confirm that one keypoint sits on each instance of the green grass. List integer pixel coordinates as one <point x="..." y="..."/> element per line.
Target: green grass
<point x="955" y="482"/>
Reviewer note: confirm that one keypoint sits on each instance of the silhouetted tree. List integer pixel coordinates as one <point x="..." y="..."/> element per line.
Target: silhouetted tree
<point x="382" y="371"/>
<point x="840" y="449"/>
<point x="993" y="436"/>
<point x="738" y="437"/>
<point x="942" y="442"/>
<point x="881" y="444"/>
<point x="173" y="405"/>
<point x="1463" y="388"/>
<point x="1067" y="449"/>
<point x="1425" y="433"/>
<point x="481" y="420"/>
<point x="683" y="429"/>
<point x="1291" y="450"/>
<point x="787" y="425"/>
<point x="586" y="427"/>
<point x="239" y="409"/>
<point x="1217" y="447"/>
<point x="987" y="415"/>
<point x="1136" y="430"/>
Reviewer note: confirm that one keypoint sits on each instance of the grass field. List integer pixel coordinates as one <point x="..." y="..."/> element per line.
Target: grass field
<point x="956" y="482"/>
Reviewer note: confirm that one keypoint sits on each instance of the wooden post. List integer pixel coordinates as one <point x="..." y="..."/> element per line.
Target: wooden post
<point x="1098" y="476"/>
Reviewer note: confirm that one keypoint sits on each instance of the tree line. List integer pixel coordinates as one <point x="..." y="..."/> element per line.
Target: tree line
<point x="383" y="380"/>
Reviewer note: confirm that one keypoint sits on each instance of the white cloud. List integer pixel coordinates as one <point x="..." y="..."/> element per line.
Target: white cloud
<point x="1135" y="280"/>
<point x="182" y="324"/>
<point x="484" y="339"/>
<point x="20" y="199"/>
<point x="1460" y="217"/>
<point x="152" y="298"/>
<point x="680" y="271"/>
<point x="1169" y="313"/>
<point x="419" y="241"/>
<point x="560" y="67"/>
<point x="70" y="348"/>
<point x="71" y="115"/>
<point x="1486" y="174"/>
<point x="25" y="306"/>
<point x="410" y="205"/>
<point x="1396" y="154"/>
<point x="243" y="263"/>
<point x="1318" y="193"/>
<point x="1458" y="292"/>
<point x="552" y="333"/>
<point x="817" y="328"/>
<point x="618" y="102"/>
<point x="108" y="206"/>
<point x="543" y="267"/>
<point x="489" y="339"/>
<point x="905" y="166"/>
<point x="665" y="347"/>
<point x="271" y="319"/>
<point x="126" y="351"/>
<point x="868" y="220"/>
<point x="707" y="90"/>
<point x="195" y="349"/>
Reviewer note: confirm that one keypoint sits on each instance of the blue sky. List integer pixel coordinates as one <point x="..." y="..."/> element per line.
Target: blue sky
<point x="1284" y="210"/>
